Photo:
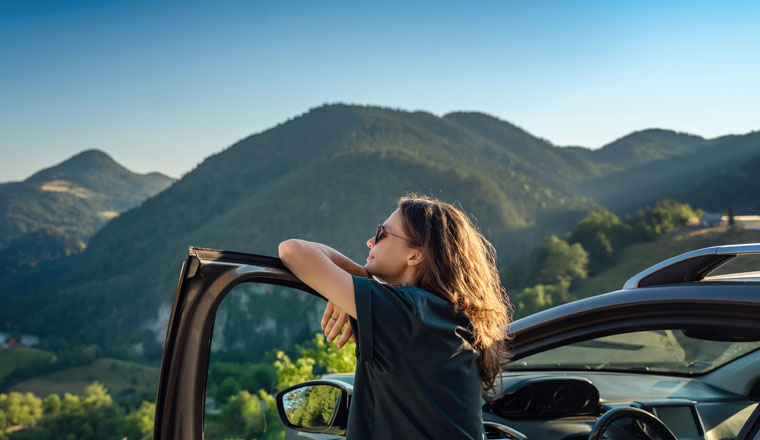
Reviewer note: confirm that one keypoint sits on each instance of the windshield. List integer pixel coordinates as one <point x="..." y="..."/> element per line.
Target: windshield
<point x="655" y="351"/>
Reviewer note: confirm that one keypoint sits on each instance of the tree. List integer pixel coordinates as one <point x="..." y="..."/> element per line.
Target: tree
<point x="555" y="261"/>
<point x="243" y="413"/>
<point x="540" y="297"/>
<point x="140" y="422"/>
<point x="731" y="218"/>
<point x="18" y="409"/>
<point x="229" y="387"/>
<point x="51" y="405"/>
<point x="90" y="416"/>
<point x="601" y="233"/>
<point x="663" y="217"/>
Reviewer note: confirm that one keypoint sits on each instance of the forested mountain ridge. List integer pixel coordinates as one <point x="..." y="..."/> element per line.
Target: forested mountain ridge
<point x="78" y="195"/>
<point x="738" y="189"/>
<point x="54" y="212"/>
<point x="331" y="175"/>
<point x="647" y="146"/>
<point x="552" y="161"/>
<point x="641" y="175"/>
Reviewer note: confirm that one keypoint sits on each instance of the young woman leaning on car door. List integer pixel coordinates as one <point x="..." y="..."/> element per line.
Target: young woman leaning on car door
<point x="429" y="316"/>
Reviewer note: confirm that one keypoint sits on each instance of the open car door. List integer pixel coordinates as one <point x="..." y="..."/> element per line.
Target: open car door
<point x="207" y="276"/>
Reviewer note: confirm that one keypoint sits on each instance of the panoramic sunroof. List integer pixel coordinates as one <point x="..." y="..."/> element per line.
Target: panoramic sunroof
<point x="745" y="265"/>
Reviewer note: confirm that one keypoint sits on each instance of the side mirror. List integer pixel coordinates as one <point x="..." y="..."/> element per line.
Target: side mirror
<point x="317" y="406"/>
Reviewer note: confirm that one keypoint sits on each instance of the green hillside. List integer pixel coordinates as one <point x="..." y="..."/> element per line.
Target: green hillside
<point x="639" y="184"/>
<point x="122" y="379"/>
<point x="739" y="189"/>
<point x="330" y="175"/>
<point x="545" y="158"/>
<point x="648" y="146"/>
<point x="59" y="208"/>
<point x="15" y="359"/>
<point x="638" y="257"/>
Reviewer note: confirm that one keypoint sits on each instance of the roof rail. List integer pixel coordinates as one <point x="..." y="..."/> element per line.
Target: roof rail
<point x="691" y="266"/>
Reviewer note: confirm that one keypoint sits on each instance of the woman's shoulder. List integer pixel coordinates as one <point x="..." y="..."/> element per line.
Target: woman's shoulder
<point x="426" y="299"/>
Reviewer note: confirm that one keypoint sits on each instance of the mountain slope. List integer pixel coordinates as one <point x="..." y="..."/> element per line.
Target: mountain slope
<point x="647" y="146"/>
<point x="640" y="184"/>
<point x="77" y="196"/>
<point x="739" y="189"/>
<point x="553" y="162"/>
<point x="330" y="175"/>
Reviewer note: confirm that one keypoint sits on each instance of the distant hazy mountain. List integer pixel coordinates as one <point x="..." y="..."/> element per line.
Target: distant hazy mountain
<point x="653" y="164"/>
<point x="739" y="188"/>
<point x="648" y="146"/>
<point x="65" y="204"/>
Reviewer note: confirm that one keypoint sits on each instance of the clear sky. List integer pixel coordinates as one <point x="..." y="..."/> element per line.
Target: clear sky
<point x="162" y="85"/>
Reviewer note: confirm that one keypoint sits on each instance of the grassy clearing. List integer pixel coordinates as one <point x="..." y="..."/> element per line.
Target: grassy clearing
<point x="638" y="257"/>
<point x="13" y="359"/>
<point x="119" y="377"/>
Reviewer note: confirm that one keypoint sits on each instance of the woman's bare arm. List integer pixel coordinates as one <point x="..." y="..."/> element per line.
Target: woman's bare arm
<point x="323" y="269"/>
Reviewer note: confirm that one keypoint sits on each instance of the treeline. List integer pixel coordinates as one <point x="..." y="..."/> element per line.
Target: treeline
<point x="241" y="401"/>
<point x="92" y="415"/>
<point x="595" y="244"/>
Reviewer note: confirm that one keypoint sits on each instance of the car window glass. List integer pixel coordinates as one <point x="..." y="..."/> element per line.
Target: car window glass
<point x="655" y="351"/>
<point x="742" y="263"/>
<point x="255" y="352"/>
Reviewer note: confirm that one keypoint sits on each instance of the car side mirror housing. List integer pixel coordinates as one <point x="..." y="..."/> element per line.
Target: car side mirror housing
<point x="316" y="406"/>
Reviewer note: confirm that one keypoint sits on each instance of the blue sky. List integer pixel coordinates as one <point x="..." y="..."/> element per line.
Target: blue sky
<point x="162" y="85"/>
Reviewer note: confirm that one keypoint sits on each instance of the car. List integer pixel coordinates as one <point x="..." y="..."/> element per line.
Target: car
<point x="674" y="354"/>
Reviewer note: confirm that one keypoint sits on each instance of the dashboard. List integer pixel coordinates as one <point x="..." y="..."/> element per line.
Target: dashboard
<point x="565" y="405"/>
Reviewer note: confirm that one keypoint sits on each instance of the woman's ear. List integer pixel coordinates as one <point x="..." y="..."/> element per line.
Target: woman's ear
<point x="416" y="258"/>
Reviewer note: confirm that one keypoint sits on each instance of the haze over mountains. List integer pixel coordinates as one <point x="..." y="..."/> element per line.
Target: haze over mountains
<point x="331" y="175"/>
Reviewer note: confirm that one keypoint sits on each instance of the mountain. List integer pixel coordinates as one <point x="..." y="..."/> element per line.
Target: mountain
<point x="738" y="188"/>
<point x="647" y="146"/>
<point x="52" y="214"/>
<point x="525" y="148"/>
<point x="76" y="197"/>
<point x="330" y="175"/>
<point x="642" y="175"/>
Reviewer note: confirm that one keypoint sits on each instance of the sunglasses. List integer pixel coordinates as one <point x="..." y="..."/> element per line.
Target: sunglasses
<point x="381" y="233"/>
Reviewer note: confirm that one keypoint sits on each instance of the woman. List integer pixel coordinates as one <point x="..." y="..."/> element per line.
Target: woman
<point x="430" y="336"/>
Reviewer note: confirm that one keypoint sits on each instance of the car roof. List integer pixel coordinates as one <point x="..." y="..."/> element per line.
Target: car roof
<point x="670" y="293"/>
<point x="693" y="266"/>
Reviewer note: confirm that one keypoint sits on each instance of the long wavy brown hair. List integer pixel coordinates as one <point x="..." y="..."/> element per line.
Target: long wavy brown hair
<point x="460" y="266"/>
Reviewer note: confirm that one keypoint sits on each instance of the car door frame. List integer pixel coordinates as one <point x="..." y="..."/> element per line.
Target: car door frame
<point x="207" y="275"/>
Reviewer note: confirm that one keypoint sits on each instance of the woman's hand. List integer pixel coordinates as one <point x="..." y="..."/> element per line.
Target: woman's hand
<point x="333" y="320"/>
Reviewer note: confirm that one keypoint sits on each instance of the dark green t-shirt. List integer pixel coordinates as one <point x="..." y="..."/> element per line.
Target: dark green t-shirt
<point x="417" y="375"/>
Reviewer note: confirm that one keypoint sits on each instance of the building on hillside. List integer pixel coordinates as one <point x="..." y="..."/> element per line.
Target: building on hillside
<point x="745" y="221"/>
<point x="712" y="219"/>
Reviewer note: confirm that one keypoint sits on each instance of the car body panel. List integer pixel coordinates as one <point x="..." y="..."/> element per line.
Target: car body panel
<point x="207" y="275"/>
